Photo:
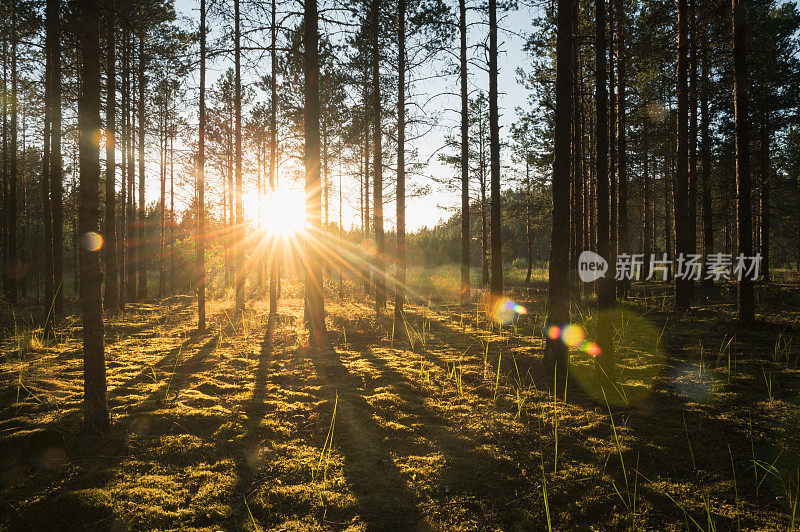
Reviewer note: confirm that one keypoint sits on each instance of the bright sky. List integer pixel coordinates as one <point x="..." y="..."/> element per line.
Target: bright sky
<point x="429" y="209"/>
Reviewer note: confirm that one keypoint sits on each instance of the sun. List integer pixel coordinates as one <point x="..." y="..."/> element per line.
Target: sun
<point x="282" y="213"/>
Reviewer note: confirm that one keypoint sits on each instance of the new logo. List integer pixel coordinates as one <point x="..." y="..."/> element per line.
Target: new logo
<point x="591" y="266"/>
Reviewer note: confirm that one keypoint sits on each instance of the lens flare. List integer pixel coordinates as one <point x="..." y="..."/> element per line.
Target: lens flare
<point x="554" y="332"/>
<point x="573" y="335"/>
<point x="91" y="241"/>
<point x="591" y="349"/>
<point x="505" y="310"/>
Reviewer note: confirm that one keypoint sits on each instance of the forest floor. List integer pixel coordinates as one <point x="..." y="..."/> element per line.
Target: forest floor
<point x="244" y="427"/>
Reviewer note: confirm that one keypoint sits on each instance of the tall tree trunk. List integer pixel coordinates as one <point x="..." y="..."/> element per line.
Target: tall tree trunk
<point x="558" y="285"/>
<point x="465" y="228"/>
<point x="622" y="142"/>
<point x="123" y="233"/>
<point x="612" y="143"/>
<point x="8" y="222"/>
<point x="162" y="141"/>
<point x="377" y="163"/>
<point x="273" y="155"/>
<point x="496" y="286"/>
<point x="110" y="247"/>
<point x="143" y="254"/>
<point x="647" y="230"/>
<point x="399" y="296"/>
<point x="239" y="266"/>
<point x="315" y="303"/>
<point x="746" y="296"/>
<point x="705" y="156"/>
<point x="528" y="235"/>
<point x="682" y="226"/>
<point x="484" y="202"/>
<point x="56" y="166"/>
<point x="47" y="213"/>
<point x="692" y="192"/>
<point x="766" y="174"/>
<point x="605" y="297"/>
<point x="94" y="367"/>
<point x="130" y="273"/>
<point x="201" y="166"/>
<point x="13" y="244"/>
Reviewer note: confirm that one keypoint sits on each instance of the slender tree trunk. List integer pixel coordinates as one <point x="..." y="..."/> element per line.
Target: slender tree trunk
<point x="705" y="156"/>
<point x="377" y="163"/>
<point x="56" y="166"/>
<point x="133" y="245"/>
<point x="13" y="244"/>
<point x="465" y="227"/>
<point x="239" y="266"/>
<point x="94" y="368"/>
<point x="8" y="280"/>
<point x="273" y="156"/>
<point x="622" y="143"/>
<point x="682" y="225"/>
<point x="47" y="216"/>
<point x="647" y="230"/>
<point x="201" y="165"/>
<point x="123" y="236"/>
<point x="692" y="192"/>
<point x="143" y="247"/>
<point x="528" y="236"/>
<point x="315" y="303"/>
<point x="746" y="303"/>
<point x="766" y="174"/>
<point x="558" y="285"/>
<point x="110" y="247"/>
<point x="399" y="297"/>
<point x="496" y="286"/>
<point x="612" y="143"/>
<point x="484" y="202"/>
<point x="606" y="288"/>
<point x="162" y="140"/>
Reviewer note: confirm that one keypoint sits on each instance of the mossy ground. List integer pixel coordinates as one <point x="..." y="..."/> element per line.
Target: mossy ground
<point x="457" y="429"/>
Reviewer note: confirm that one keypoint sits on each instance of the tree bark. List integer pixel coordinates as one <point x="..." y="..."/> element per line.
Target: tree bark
<point x="682" y="226"/>
<point x="238" y="269"/>
<point x="496" y="286"/>
<point x="766" y="174"/>
<point x="273" y="155"/>
<point x="558" y="284"/>
<point x="399" y="298"/>
<point x="141" y="240"/>
<point x="605" y="296"/>
<point x="465" y="228"/>
<point x="315" y="303"/>
<point x="201" y="166"/>
<point x="622" y="142"/>
<point x="692" y="185"/>
<point x="377" y="164"/>
<point x="746" y="296"/>
<point x="110" y="247"/>
<point x="95" y="402"/>
<point x="56" y="166"/>
<point x="705" y="156"/>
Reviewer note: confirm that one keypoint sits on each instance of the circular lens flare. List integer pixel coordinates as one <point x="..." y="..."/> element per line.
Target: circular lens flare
<point x="573" y="335"/>
<point x="91" y="241"/>
<point x="505" y="310"/>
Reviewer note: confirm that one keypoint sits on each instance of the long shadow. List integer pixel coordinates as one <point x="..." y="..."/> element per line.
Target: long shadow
<point x="384" y="499"/>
